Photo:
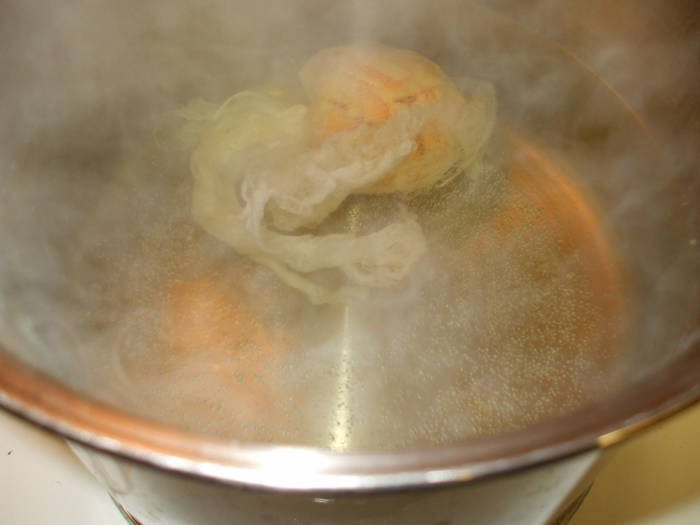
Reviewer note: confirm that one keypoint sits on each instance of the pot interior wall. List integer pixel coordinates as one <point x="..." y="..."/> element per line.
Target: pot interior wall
<point x="563" y="272"/>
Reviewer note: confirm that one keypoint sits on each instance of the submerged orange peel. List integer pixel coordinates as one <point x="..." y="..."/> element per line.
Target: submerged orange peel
<point x="222" y="347"/>
<point x="199" y="313"/>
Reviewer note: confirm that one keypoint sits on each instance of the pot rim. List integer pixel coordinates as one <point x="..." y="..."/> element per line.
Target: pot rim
<point x="37" y="398"/>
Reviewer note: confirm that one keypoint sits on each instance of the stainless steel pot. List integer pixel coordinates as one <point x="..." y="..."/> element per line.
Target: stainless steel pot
<point x="598" y="102"/>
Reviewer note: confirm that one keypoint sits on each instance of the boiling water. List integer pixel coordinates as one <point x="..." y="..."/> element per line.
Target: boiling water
<point x="511" y="318"/>
<point x="514" y="316"/>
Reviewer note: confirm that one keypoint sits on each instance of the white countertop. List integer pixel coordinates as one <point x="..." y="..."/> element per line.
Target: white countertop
<point x="652" y="480"/>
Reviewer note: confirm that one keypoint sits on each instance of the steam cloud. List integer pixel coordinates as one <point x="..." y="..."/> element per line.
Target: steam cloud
<point x="94" y="213"/>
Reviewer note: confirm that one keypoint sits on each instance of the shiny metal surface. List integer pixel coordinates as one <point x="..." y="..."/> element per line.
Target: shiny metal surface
<point x="532" y="497"/>
<point x="642" y="257"/>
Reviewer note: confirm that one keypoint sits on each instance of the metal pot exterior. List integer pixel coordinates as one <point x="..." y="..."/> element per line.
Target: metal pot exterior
<point x="543" y="495"/>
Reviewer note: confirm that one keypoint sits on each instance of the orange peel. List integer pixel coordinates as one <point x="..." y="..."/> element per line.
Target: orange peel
<point x="367" y="85"/>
